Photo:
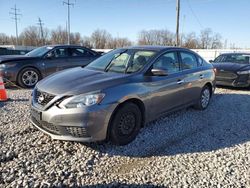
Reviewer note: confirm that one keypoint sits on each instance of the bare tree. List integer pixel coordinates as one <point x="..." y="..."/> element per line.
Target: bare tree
<point x="100" y="39"/>
<point x="216" y="41"/>
<point x="191" y="41"/>
<point x="86" y="41"/>
<point x="75" y="38"/>
<point x="30" y="36"/>
<point x="4" y="39"/>
<point x="59" y="36"/>
<point x="118" y="43"/>
<point x="145" y="38"/>
<point x="156" y="37"/>
<point x="205" y="38"/>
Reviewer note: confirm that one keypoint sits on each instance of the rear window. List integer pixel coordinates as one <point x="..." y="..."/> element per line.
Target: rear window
<point x="189" y="61"/>
<point x="234" y="58"/>
<point x="79" y="52"/>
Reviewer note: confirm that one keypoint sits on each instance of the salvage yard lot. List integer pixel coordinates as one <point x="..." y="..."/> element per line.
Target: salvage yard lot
<point x="186" y="148"/>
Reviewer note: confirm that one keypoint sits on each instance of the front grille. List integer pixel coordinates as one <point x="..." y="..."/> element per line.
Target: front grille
<point x="43" y="98"/>
<point x="77" y="131"/>
<point x="47" y="126"/>
<point x="243" y="78"/>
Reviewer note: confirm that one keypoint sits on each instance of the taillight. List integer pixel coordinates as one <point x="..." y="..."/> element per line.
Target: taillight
<point x="215" y="70"/>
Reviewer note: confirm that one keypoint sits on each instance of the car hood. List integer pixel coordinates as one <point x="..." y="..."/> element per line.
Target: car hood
<point x="78" y="81"/>
<point x="9" y="58"/>
<point x="231" y="66"/>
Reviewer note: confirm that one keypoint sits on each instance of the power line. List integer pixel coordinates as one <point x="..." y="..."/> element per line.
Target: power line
<point x="40" y="23"/>
<point x="197" y="19"/>
<point x="68" y="4"/>
<point x="16" y="17"/>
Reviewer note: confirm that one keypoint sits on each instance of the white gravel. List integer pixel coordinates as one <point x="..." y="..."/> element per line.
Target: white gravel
<point x="188" y="148"/>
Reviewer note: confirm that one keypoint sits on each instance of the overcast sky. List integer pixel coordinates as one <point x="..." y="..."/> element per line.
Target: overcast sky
<point x="125" y="18"/>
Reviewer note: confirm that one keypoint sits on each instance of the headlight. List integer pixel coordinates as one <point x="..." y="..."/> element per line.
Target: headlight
<point x="244" y="72"/>
<point x="82" y="100"/>
<point x="2" y="66"/>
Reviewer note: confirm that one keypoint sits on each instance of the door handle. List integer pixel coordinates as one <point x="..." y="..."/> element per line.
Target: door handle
<point x="180" y="81"/>
<point x="201" y="76"/>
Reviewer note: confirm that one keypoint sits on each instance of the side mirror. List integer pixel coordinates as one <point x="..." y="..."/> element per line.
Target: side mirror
<point x="211" y="61"/>
<point x="159" y="72"/>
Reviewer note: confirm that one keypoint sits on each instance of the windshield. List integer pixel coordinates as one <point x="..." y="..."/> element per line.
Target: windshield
<point x="233" y="58"/>
<point x="38" y="52"/>
<point x="122" y="61"/>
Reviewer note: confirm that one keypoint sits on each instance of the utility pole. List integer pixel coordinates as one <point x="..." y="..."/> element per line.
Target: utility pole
<point x="16" y="17"/>
<point x="40" y="23"/>
<point x="68" y="4"/>
<point x="177" y="22"/>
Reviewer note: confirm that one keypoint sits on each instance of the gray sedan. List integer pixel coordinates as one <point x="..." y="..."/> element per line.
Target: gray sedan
<point x="117" y="94"/>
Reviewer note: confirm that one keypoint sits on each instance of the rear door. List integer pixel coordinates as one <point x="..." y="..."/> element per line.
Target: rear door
<point x="80" y="57"/>
<point x="166" y="91"/>
<point x="194" y="74"/>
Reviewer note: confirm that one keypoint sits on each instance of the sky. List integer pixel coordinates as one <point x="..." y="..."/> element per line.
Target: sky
<point x="126" y="18"/>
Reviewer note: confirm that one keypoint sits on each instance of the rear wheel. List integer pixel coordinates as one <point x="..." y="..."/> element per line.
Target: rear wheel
<point x="28" y="77"/>
<point x="204" y="100"/>
<point x="126" y="124"/>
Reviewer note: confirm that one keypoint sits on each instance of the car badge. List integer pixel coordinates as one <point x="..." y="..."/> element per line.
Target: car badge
<point x="40" y="99"/>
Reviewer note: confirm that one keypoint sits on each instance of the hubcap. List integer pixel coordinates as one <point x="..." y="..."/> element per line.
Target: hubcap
<point x="30" y="78"/>
<point x="127" y="123"/>
<point x="205" y="97"/>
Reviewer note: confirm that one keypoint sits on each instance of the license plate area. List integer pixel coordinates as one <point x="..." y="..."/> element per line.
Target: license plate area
<point x="36" y="114"/>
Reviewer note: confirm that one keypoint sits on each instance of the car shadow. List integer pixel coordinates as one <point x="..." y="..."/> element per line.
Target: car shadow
<point x="122" y="185"/>
<point x="234" y="88"/>
<point x="225" y="123"/>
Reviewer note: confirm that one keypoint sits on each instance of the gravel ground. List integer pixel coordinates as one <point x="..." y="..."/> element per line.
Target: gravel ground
<point x="188" y="148"/>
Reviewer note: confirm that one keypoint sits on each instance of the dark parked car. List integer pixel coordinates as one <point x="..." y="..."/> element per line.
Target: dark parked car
<point x="26" y="70"/>
<point x="114" y="96"/>
<point x="233" y="69"/>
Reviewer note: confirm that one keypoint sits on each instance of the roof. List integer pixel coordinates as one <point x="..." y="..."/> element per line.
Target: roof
<point x="63" y="45"/>
<point x="235" y="53"/>
<point x="155" y="48"/>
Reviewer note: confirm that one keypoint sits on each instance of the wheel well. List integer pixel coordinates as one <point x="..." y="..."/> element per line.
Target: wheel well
<point x="137" y="102"/>
<point x="26" y="68"/>
<point x="209" y="85"/>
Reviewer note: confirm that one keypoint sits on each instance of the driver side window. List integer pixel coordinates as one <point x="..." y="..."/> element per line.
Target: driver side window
<point x="168" y="62"/>
<point x="58" y="53"/>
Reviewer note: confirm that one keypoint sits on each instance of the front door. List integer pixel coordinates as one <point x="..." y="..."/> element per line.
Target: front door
<point x="166" y="91"/>
<point x="56" y="60"/>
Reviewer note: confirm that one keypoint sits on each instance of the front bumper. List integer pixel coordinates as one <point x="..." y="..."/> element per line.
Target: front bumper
<point x="8" y="75"/>
<point x="238" y="81"/>
<point x="80" y="124"/>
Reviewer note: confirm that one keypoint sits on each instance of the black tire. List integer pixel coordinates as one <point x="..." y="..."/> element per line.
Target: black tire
<point x="25" y="81"/>
<point x="204" y="99"/>
<point x="125" y="124"/>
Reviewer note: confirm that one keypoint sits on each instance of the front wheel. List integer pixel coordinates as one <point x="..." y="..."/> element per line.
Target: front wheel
<point x="28" y="77"/>
<point x="126" y="124"/>
<point x="204" y="99"/>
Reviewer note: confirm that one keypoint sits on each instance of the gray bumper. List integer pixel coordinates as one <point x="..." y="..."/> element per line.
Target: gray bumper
<point x="80" y="124"/>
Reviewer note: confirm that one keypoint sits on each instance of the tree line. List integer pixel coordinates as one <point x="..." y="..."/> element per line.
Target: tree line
<point x="102" y="39"/>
